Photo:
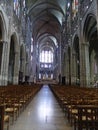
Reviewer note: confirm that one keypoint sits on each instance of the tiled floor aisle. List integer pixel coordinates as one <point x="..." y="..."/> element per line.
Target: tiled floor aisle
<point x="43" y="113"/>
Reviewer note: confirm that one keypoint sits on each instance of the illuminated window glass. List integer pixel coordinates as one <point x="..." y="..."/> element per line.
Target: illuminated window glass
<point x="17" y="7"/>
<point x="46" y="56"/>
<point x="24" y="3"/>
<point x="50" y="66"/>
<point x="31" y="48"/>
<point x="46" y="66"/>
<point x="31" y="58"/>
<point x="39" y="76"/>
<point x="75" y="7"/>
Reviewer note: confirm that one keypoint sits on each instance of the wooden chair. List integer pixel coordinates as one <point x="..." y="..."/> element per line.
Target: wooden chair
<point x="4" y="119"/>
<point x="86" y="117"/>
<point x="10" y="109"/>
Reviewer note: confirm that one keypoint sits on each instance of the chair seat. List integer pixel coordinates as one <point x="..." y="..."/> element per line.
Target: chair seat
<point x="84" y="118"/>
<point x="10" y="109"/>
<point x="17" y="105"/>
<point x="6" y="118"/>
<point x="22" y="101"/>
<point x="74" y="111"/>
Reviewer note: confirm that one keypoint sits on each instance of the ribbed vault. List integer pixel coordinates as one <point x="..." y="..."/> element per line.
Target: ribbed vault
<point x="46" y="18"/>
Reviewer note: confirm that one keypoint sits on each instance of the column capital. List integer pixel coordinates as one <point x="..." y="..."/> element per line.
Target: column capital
<point x="2" y="42"/>
<point x="85" y="43"/>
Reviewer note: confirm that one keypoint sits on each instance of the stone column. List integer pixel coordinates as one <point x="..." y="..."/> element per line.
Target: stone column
<point x="59" y="60"/>
<point x="62" y="67"/>
<point x="84" y="65"/>
<point x="27" y="69"/>
<point x="4" y="64"/>
<point x="96" y="8"/>
<point x="92" y="63"/>
<point x="34" y="62"/>
<point x="24" y="65"/>
<point x="67" y="70"/>
<point x="96" y="69"/>
<point x="16" y="68"/>
<point x="73" y="69"/>
<point x="62" y="71"/>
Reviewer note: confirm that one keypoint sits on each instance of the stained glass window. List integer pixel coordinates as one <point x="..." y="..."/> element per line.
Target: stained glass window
<point x="46" y="56"/>
<point x="75" y="7"/>
<point x="17" y="7"/>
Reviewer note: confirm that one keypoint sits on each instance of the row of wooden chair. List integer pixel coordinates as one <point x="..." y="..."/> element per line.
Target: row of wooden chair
<point x="13" y="100"/>
<point x="79" y="104"/>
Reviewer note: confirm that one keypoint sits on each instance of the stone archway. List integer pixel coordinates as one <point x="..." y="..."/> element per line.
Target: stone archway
<point x="91" y="49"/>
<point x="22" y="65"/>
<point x="69" y="64"/>
<point x="11" y="61"/>
<point x="27" y="69"/>
<point x="13" y="68"/>
<point x="1" y="42"/>
<point x="93" y="60"/>
<point x="3" y="50"/>
<point x="76" y="61"/>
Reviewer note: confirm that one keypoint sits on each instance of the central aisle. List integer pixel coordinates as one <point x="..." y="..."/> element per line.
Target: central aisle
<point x="43" y="113"/>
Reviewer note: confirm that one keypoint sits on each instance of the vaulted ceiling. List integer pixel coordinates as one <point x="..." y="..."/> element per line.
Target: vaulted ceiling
<point x="46" y="17"/>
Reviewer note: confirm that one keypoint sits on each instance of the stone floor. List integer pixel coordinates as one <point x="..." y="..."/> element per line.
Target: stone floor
<point x="43" y="113"/>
